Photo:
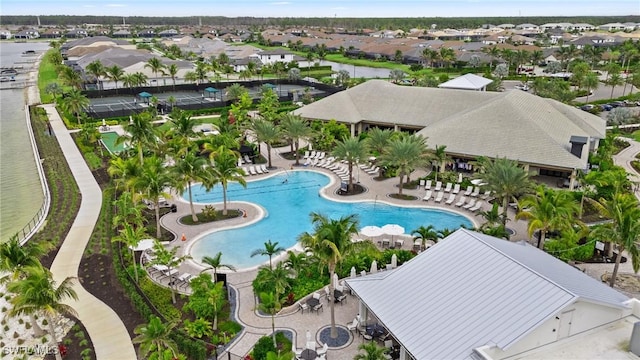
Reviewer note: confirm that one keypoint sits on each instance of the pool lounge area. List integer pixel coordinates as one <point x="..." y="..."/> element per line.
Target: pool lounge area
<point x="286" y="201"/>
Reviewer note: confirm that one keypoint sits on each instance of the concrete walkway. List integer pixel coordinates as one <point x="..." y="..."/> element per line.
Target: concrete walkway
<point x="108" y="334"/>
<point x="624" y="158"/>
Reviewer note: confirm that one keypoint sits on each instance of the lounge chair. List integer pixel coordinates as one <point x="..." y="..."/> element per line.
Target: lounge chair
<point x="427" y="196"/>
<point x="438" y="186"/>
<point x="477" y="206"/>
<point x="451" y="199"/>
<point x="427" y="186"/>
<point x="461" y="201"/>
<point x="247" y="159"/>
<point x="439" y="196"/>
<point x="264" y="168"/>
<point x="312" y="155"/>
<point x="456" y="189"/>
<point x="421" y="182"/>
<point x="297" y="352"/>
<point x="448" y="187"/>
<point x="252" y="170"/>
<point x="469" y="204"/>
<point x="469" y="190"/>
<point x="306" y="155"/>
<point x="320" y="155"/>
<point x="476" y="191"/>
<point x="258" y="169"/>
<point x="486" y="195"/>
<point x="373" y="171"/>
<point x="353" y="326"/>
<point x="323" y="350"/>
<point x="245" y="170"/>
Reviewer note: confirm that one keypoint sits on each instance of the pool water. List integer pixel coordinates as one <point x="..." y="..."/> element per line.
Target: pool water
<point x="288" y="200"/>
<point x="109" y="141"/>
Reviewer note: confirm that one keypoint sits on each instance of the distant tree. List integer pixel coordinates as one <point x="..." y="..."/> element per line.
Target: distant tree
<point x="501" y="70"/>
<point x="474" y="61"/>
<point x="396" y="75"/>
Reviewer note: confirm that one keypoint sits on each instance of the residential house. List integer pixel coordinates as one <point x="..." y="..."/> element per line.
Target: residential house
<point x="76" y="34"/>
<point x="168" y="33"/>
<point x="5" y="34"/>
<point x="52" y="33"/>
<point x="268" y="57"/>
<point x="147" y="33"/>
<point x="27" y="34"/>
<point x="122" y="34"/>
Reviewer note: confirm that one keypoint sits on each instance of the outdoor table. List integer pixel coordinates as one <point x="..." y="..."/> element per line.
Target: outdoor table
<point x="375" y="330"/>
<point x="308" y="354"/>
<point x="336" y="295"/>
<point x="312" y="302"/>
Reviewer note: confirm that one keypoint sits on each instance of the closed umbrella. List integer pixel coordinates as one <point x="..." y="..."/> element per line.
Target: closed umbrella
<point x="394" y="261"/>
<point x="374" y="266"/>
<point x="335" y="280"/>
<point x="353" y="272"/>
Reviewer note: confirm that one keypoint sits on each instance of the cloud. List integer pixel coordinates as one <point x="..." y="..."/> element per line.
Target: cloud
<point x="116" y="5"/>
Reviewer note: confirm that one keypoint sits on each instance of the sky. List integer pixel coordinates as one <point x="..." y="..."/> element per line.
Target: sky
<point x="325" y="8"/>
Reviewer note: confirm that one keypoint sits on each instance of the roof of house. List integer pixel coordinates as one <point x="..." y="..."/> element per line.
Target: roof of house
<point x="466" y="82"/>
<point x="535" y="130"/>
<point x="495" y="293"/>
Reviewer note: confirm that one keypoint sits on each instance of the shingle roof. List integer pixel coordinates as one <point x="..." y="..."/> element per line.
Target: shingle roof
<point x="534" y="129"/>
<point x="494" y="293"/>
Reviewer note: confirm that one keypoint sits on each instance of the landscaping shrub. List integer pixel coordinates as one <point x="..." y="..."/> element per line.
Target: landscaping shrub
<point x="161" y="298"/>
<point x="262" y="347"/>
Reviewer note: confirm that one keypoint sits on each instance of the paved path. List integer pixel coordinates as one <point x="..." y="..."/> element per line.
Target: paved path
<point x="108" y="334"/>
<point x="624" y="158"/>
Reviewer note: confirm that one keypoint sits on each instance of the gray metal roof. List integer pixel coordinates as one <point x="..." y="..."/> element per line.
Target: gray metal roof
<point x="471" y="290"/>
<point x="466" y="82"/>
<point x="534" y="129"/>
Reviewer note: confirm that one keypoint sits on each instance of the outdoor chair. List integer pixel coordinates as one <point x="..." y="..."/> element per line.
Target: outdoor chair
<point x="327" y="293"/>
<point x="427" y="186"/>
<point x="451" y="199"/>
<point x="476" y="191"/>
<point x="477" y="206"/>
<point x="456" y="189"/>
<point x="252" y="170"/>
<point x="353" y="326"/>
<point x="486" y="195"/>
<point x="295" y="350"/>
<point x="264" y="168"/>
<point x="469" y="190"/>
<point x="388" y="344"/>
<point x="462" y="200"/>
<point x="421" y="182"/>
<point x="311" y="345"/>
<point x="306" y="155"/>
<point x="438" y="186"/>
<point x="258" y="169"/>
<point x="439" y="196"/>
<point x="448" y="187"/>
<point x="469" y="204"/>
<point x="323" y="350"/>
<point x="427" y="196"/>
<point x="303" y="307"/>
<point x="312" y="155"/>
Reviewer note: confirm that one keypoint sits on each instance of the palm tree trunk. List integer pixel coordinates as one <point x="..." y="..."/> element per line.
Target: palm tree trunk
<point x="612" y="281"/>
<point x="332" y="304"/>
<point x="505" y="204"/>
<point x="158" y="232"/>
<point x="273" y="329"/>
<point x="224" y="199"/>
<point x="193" y="211"/>
<point x="350" y="176"/>
<point x="543" y="234"/>
<point x="52" y="332"/>
<point x="612" y="88"/>
<point x="296" y="152"/>
<point x="140" y="153"/>
<point x="269" y="154"/>
<point x="37" y="330"/>
<point x="135" y="266"/>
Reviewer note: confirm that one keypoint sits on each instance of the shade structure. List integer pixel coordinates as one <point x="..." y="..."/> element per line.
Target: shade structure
<point x="143" y="245"/>
<point x="353" y="272"/>
<point x="374" y="267"/>
<point x="144" y="95"/>
<point x="394" y="261"/>
<point x="393" y="229"/>
<point x="211" y="90"/>
<point x="270" y="86"/>
<point x="371" y="231"/>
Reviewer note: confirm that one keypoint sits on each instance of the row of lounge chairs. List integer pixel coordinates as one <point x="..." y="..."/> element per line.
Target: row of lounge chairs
<point x="255" y="170"/>
<point x="469" y="203"/>
<point x="314" y="155"/>
<point x="160" y="272"/>
<point x="471" y="190"/>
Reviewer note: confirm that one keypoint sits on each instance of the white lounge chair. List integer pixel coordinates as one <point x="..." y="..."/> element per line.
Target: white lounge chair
<point x="456" y="189"/>
<point x="469" y="204"/>
<point x="469" y="190"/>
<point x="476" y="191"/>
<point x="448" y="187"/>
<point x="427" y="186"/>
<point x="323" y="350"/>
<point x="306" y="155"/>
<point x="312" y="155"/>
<point x="264" y="168"/>
<point x="246" y="171"/>
<point x="461" y="201"/>
<point x="438" y="186"/>
<point x="321" y="155"/>
<point x="486" y="195"/>
<point x="352" y="326"/>
<point x="258" y="169"/>
<point x="252" y="170"/>
<point x="247" y="159"/>
<point x="421" y="184"/>
<point x="373" y="171"/>
<point x="451" y="199"/>
<point x="477" y="206"/>
<point x="439" y="196"/>
<point x="427" y="196"/>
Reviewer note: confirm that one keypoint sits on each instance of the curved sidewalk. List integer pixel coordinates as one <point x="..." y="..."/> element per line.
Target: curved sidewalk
<point x="109" y="335"/>
<point x="624" y="158"/>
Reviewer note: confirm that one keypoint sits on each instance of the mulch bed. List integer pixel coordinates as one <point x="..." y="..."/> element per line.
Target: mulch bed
<point x="72" y="347"/>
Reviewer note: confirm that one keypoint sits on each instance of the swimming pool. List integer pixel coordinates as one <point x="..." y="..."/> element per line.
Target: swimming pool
<point x="109" y="140"/>
<point x="288" y="205"/>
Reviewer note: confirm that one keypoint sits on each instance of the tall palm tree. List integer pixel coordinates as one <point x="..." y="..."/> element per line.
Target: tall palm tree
<point x="215" y="263"/>
<point x="172" y="72"/>
<point x="491" y="217"/>
<point x="127" y="210"/>
<point x="38" y="293"/>
<point x="296" y="262"/>
<point x="371" y="351"/>
<point x="123" y="171"/>
<point x="440" y="155"/>
<point x="96" y="69"/>
<point x="295" y="128"/>
<point x="615" y="79"/>
<point x="270" y="249"/>
<point x="75" y="102"/>
<point x="224" y="170"/>
<point x="70" y="77"/>
<point x="352" y="150"/>
<point x="547" y="210"/>
<point x="216" y="297"/>
<point x="591" y="82"/>
<point x="378" y="139"/>
<point x="129" y="81"/>
<point x="623" y="231"/>
<point x="170" y="259"/>
<point x="182" y="125"/>
<point x="493" y="52"/>
<point x="406" y="154"/>
<point x="447" y="56"/>
<point x="140" y="133"/>
<point x="188" y="168"/>
<point x="131" y="236"/>
<point x="115" y="73"/>
<point x="266" y="132"/>
<point x="505" y="179"/>
<point x="270" y="304"/>
<point x="424" y="233"/>
<point x="151" y="182"/>
<point x="155" y="338"/>
<point x="156" y="66"/>
<point x="331" y="242"/>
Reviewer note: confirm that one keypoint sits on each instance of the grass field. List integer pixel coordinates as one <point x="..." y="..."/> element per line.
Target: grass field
<point x="207" y="120"/>
<point x="46" y="74"/>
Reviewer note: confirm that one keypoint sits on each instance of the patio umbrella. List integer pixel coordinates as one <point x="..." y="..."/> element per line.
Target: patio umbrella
<point x="393" y="229"/>
<point x="460" y="177"/>
<point x="353" y="272"/>
<point x="374" y="266"/>
<point x="394" y="261"/>
<point x="371" y="231"/>
<point x="143" y="245"/>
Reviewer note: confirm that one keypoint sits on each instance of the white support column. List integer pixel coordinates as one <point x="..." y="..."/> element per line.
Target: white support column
<point x="403" y="354"/>
<point x="396" y="128"/>
<point x="353" y="130"/>
<point x="362" y="310"/>
<point x="572" y="180"/>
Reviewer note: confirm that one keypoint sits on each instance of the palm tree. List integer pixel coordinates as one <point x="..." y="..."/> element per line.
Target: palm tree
<point x="425" y="233"/>
<point x="615" y="79"/>
<point x="75" y="102"/>
<point x="440" y="155"/>
<point x="124" y="170"/>
<point x="215" y="298"/>
<point x="371" y="351"/>
<point x="140" y="132"/>
<point x="295" y="128"/>
<point x="270" y="304"/>
<point x="70" y="77"/>
<point x="156" y="65"/>
<point x="235" y="91"/>
<point x="447" y="56"/>
<point x="115" y="73"/>
<point x="224" y="170"/>
<point x="188" y="169"/>
<point x="406" y="154"/>
<point x="151" y="182"/>
<point x="215" y="263"/>
<point x="127" y="210"/>
<point x="331" y="242"/>
<point x="352" y="150"/>
<point x="96" y="69"/>
<point x="131" y="236"/>
<point x="493" y="52"/>
<point x="591" y="82"/>
<point x="155" y="338"/>
<point x="623" y="231"/>
<point x="182" y="125"/>
<point x="172" y="71"/>
<point x="505" y="179"/>
<point x="295" y="262"/>
<point x="268" y="133"/>
<point x="491" y="217"/>
<point x="378" y="139"/>
<point x="54" y="89"/>
<point x="170" y="259"/>
<point x="129" y="81"/>
<point x="270" y="249"/>
<point x="38" y="293"/>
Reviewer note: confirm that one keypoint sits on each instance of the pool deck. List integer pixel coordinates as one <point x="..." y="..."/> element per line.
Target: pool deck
<point x="292" y="319"/>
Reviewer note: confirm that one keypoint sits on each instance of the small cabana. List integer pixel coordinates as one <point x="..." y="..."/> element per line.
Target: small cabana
<point x="145" y="96"/>
<point x="211" y="90"/>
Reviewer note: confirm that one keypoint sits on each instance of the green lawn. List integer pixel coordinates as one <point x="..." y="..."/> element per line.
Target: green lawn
<point x="46" y="74"/>
<point x="634" y="135"/>
<point x="207" y="120"/>
<point x="363" y="62"/>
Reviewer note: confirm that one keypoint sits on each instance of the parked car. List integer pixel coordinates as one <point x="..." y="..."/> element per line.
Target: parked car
<point x="618" y="104"/>
<point x="606" y="107"/>
<point x="587" y="107"/>
<point x="523" y="87"/>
